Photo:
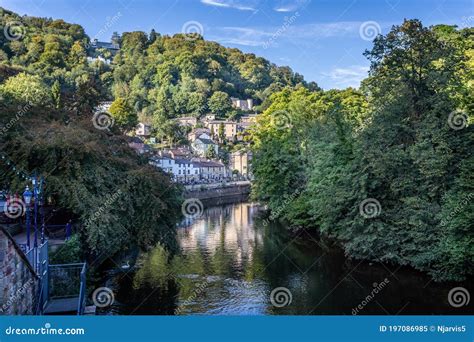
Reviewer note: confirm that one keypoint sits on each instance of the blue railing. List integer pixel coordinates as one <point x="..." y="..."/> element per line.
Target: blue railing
<point x="82" y="291"/>
<point x="68" y="281"/>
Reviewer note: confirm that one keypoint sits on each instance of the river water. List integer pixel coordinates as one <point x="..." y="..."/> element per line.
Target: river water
<point x="231" y="263"/>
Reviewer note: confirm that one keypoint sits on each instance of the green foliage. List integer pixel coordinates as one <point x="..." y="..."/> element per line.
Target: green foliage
<point x="123" y="114"/>
<point x="56" y="94"/>
<point x="210" y="153"/>
<point x="50" y="93"/>
<point x="317" y="156"/>
<point x="220" y="103"/>
<point x="174" y="76"/>
<point x="26" y="88"/>
<point x="68" y="253"/>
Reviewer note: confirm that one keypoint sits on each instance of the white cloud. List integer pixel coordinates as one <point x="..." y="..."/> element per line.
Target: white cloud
<point x="240" y="5"/>
<point x="347" y="77"/>
<point x="290" y="5"/>
<point x="241" y="36"/>
<point x="249" y="36"/>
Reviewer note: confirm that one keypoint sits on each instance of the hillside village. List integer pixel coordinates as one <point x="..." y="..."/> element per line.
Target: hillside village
<point x="214" y="149"/>
<point x="159" y="164"/>
<point x="204" y="157"/>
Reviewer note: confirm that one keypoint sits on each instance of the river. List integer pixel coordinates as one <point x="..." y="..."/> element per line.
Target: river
<point x="231" y="263"/>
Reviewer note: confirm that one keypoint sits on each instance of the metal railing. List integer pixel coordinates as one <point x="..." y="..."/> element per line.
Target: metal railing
<point x="68" y="281"/>
<point x="82" y="291"/>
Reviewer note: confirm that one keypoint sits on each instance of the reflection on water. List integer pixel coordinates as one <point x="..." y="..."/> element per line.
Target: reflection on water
<point x="229" y="262"/>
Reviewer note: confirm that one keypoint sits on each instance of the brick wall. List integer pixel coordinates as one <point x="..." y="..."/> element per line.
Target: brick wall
<point x="18" y="282"/>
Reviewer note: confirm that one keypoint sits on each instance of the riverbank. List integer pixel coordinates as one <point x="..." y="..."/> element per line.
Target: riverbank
<point x="230" y="262"/>
<point x="217" y="190"/>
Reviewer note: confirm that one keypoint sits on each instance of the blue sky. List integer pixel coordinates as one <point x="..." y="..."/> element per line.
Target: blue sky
<point x="321" y="39"/>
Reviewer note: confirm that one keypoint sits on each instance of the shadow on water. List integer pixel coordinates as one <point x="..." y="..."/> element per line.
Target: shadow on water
<point x="230" y="262"/>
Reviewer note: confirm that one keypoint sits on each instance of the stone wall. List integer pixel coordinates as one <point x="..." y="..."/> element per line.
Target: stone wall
<point x="18" y="281"/>
<point x="223" y="191"/>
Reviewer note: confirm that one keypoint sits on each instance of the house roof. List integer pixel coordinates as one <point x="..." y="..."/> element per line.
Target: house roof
<point x="207" y="164"/>
<point x="186" y="118"/>
<point x="218" y="122"/>
<point x="183" y="161"/>
<point x="105" y="45"/>
<point x="206" y="141"/>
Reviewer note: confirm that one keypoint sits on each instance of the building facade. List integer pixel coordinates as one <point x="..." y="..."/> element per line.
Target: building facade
<point x="201" y="145"/>
<point x="143" y="130"/>
<point x="230" y="128"/>
<point x="244" y="105"/>
<point x="240" y="162"/>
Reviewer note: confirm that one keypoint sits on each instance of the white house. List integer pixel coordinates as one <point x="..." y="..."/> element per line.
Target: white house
<point x="201" y="145"/>
<point x="210" y="170"/>
<point x="164" y="163"/>
<point x="185" y="170"/>
<point x="199" y="133"/>
<point x="242" y="104"/>
<point x="143" y="130"/>
<point x="180" y="169"/>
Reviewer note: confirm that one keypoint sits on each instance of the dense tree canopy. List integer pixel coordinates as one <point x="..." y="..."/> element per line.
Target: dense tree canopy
<point x="320" y="157"/>
<point x="402" y="142"/>
<point x="49" y="93"/>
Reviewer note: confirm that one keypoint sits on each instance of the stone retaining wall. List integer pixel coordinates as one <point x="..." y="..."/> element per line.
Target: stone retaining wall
<point x="224" y="191"/>
<point x="18" y="281"/>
